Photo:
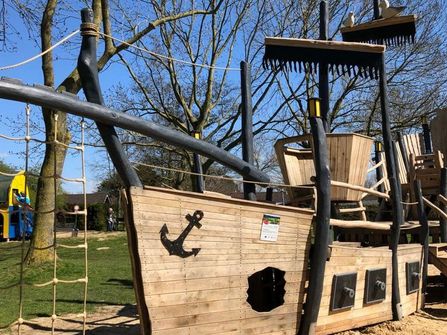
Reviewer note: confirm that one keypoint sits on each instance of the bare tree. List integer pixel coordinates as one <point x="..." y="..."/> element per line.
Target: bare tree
<point x="204" y="95"/>
<point x="55" y="14"/>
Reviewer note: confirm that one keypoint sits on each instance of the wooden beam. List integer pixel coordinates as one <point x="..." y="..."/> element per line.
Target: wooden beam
<point x="328" y="45"/>
<point x="380" y="23"/>
<point x="360" y="188"/>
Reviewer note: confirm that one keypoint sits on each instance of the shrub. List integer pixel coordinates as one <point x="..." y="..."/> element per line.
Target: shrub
<point x="96" y="217"/>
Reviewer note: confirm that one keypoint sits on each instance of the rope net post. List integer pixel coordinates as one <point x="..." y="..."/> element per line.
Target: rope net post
<point x="55" y="181"/>
<point x="23" y="245"/>
<point x="24" y="212"/>
<point x="84" y="191"/>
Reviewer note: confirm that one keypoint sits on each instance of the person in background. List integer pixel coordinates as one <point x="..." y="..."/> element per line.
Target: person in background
<point x="110" y="220"/>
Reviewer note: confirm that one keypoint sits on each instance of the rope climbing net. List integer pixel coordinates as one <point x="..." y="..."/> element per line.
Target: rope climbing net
<point x="25" y="211"/>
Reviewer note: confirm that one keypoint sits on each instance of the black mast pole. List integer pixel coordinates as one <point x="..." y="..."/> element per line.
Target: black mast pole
<point x="247" y="126"/>
<point x="376" y="9"/>
<point x="396" y="197"/>
<point x="427" y="135"/>
<point x="199" y="184"/>
<point x="323" y="73"/>
<point x="320" y="248"/>
<point x="424" y="235"/>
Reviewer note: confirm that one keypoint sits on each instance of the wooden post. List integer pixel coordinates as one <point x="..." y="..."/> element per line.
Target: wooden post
<point x="376" y="9"/>
<point x="442" y="206"/>
<point x="424" y="235"/>
<point x="88" y="72"/>
<point x="320" y="248"/>
<point x="323" y="73"/>
<point x="427" y="135"/>
<point x="199" y="184"/>
<point x="396" y="196"/>
<point x="269" y="194"/>
<point x="247" y="126"/>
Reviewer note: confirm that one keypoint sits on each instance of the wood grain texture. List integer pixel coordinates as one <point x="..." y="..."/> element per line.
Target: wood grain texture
<point x="380" y="23"/>
<point x="409" y="253"/>
<point x="318" y="44"/>
<point x="349" y="155"/>
<point x="207" y="294"/>
<point x="354" y="259"/>
<point x="438" y="131"/>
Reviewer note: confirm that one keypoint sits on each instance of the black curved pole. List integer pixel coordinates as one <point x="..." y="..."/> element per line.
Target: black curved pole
<point x="427" y="138"/>
<point x="44" y="96"/>
<point x="376" y="9"/>
<point x="396" y="196"/>
<point x="323" y="72"/>
<point x="320" y="248"/>
<point x="88" y="72"/>
<point x="425" y="232"/>
<point x="247" y="126"/>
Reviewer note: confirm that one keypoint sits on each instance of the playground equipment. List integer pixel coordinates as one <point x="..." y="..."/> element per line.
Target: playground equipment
<point x="207" y="264"/>
<point x="397" y="30"/>
<point x="15" y="219"/>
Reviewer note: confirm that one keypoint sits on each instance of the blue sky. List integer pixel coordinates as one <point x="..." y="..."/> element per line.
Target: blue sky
<point x="12" y="114"/>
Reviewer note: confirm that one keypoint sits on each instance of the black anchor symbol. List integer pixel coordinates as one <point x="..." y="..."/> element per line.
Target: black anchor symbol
<point x="176" y="247"/>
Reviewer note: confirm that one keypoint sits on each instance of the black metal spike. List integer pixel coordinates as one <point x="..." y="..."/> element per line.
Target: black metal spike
<point x="370" y="72"/>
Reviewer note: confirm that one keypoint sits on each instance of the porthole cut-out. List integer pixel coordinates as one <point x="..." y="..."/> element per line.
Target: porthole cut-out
<point x="266" y="289"/>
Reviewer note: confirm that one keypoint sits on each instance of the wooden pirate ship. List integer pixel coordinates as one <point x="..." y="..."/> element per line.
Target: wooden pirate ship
<point x="209" y="264"/>
<point x="225" y="266"/>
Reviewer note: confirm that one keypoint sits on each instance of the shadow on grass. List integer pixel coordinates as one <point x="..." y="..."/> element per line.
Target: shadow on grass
<point x="81" y="302"/>
<point x="122" y="282"/>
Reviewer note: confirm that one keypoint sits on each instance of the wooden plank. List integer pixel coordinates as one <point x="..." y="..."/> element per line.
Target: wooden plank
<point x="352" y="323"/>
<point x="354" y="259"/>
<point x="150" y="191"/>
<point x="360" y="224"/>
<point x="319" y="44"/>
<point x="380" y="23"/>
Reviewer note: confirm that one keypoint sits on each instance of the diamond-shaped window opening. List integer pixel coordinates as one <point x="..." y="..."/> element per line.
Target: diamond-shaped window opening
<point x="266" y="289"/>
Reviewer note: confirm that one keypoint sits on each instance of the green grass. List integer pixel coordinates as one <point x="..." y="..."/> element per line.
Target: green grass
<point x="110" y="279"/>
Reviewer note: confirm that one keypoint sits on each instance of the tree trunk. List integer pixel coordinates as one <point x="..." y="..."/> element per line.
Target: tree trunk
<point x="42" y="242"/>
<point x="42" y="239"/>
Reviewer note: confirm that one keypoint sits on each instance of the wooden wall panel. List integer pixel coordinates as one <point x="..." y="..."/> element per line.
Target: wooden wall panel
<point x="413" y="301"/>
<point x="354" y="259"/>
<point x="207" y="294"/>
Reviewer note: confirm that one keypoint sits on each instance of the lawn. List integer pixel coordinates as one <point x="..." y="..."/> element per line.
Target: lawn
<point x="110" y="278"/>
